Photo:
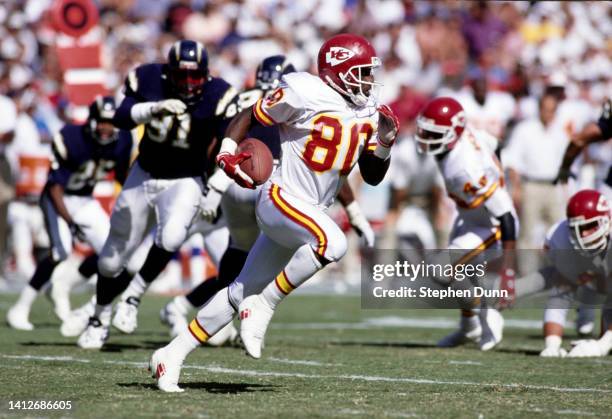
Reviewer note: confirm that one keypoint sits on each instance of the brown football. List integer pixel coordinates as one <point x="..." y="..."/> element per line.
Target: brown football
<point x="259" y="166"/>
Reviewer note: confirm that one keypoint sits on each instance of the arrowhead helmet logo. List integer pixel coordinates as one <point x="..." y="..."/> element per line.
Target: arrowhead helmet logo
<point x="602" y="204"/>
<point x="338" y="55"/>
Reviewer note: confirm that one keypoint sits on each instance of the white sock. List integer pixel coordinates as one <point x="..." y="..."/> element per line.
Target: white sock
<point x="103" y="313"/>
<point x="303" y="265"/>
<point x="182" y="304"/>
<point x="138" y="286"/>
<point x="197" y="264"/>
<point x="27" y="297"/>
<point x="182" y="345"/>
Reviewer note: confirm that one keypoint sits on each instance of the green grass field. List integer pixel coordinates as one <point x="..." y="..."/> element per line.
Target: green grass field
<point x="324" y="357"/>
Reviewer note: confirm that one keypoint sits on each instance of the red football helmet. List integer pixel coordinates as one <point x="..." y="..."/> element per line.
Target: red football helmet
<point x="345" y="63"/>
<point x="588" y="217"/>
<point x="440" y="125"/>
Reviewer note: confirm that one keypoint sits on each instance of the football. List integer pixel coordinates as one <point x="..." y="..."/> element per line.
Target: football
<point x="259" y="166"/>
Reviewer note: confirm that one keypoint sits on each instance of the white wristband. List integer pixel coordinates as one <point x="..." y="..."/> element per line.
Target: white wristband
<point x="228" y="145"/>
<point x="219" y="181"/>
<point x="382" y="152"/>
<point x="142" y="113"/>
<point x="553" y="341"/>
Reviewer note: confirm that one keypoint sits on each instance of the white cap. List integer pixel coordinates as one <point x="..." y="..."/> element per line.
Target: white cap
<point x="8" y="115"/>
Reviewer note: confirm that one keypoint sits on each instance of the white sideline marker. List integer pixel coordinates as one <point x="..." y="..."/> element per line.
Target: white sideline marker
<point x="397" y="321"/>
<point x="301" y="362"/>
<point x="352" y="377"/>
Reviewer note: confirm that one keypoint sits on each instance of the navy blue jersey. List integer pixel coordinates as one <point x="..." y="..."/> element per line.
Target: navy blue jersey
<point x="605" y="120"/>
<point x="269" y="135"/>
<point x="175" y="146"/>
<point x="79" y="161"/>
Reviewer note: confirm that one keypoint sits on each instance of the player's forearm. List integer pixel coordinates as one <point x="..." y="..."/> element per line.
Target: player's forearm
<point x="240" y="125"/>
<point x="373" y="169"/>
<point x="345" y="194"/>
<point x="56" y="192"/>
<point x="590" y="134"/>
<point x="123" y="116"/>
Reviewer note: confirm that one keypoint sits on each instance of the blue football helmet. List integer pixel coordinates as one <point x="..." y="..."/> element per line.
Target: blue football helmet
<point x="270" y="71"/>
<point x="100" y="121"/>
<point x="188" y="70"/>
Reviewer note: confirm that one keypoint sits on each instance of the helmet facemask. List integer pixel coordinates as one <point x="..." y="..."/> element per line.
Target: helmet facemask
<point x="435" y="139"/>
<point x="590" y="236"/>
<point x="188" y="83"/>
<point x="355" y="80"/>
<point x="103" y="131"/>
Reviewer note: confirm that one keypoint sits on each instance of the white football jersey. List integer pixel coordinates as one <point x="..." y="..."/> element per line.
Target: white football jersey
<point x="474" y="179"/>
<point x="412" y="170"/>
<point x="322" y="136"/>
<point x="493" y="115"/>
<point x="573" y="265"/>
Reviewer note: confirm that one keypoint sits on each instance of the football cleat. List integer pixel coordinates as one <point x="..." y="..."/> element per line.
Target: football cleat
<point x="553" y="352"/>
<point x="166" y="371"/>
<point x="18" y="318"/>
<point x="227" y="335"/>
<point x="126" y="315"/>
<point x="94" y="336"/>
<point x="492" y="324"/>
<point x="469" y="331"/>
<point x="588" y="348"/>
<point x="77" y="321"/>
<point x="172" y="317"/>
<point x="255" y="315"/>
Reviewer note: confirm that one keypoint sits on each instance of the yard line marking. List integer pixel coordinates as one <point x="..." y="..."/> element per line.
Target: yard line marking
<point x="574" y="412"/>
<point x="465" y="363"/>
<point x="47" y="358"/>
<point x="352" y="377"/>
<point x="301" y="362"/>
<point x="397" y="321"/>
<point x="351" y="412"/>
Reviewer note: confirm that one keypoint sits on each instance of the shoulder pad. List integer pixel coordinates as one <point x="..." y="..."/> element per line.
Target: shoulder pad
<point x="145" y="81"/>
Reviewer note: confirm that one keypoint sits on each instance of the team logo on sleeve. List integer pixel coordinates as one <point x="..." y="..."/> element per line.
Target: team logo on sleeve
<point x="338" y="55"/>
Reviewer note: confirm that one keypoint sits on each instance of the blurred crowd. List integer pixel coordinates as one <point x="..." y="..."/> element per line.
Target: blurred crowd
<point x="500" y="59"/>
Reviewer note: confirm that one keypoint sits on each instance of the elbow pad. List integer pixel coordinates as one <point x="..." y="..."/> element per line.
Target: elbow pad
<point x="508" y="226"/>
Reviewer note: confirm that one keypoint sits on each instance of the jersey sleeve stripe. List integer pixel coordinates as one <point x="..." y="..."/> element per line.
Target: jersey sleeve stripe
<point x="262" y="116"/>
<point x="225" y="100"/>
<point x="283" y="284"/>
<point x="59" y="146"/>
<point x="484" y="246"/>
<point x="300" y="218"/>
<point x="197" y="331"/>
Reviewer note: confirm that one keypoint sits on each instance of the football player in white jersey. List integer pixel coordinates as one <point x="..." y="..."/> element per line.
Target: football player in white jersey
<point x="327" y="125"/>
<point x="487" y="110"/>
<point x="238" y="209"/>
<point x="579" y="265"/>
<point x="486" y="217"/>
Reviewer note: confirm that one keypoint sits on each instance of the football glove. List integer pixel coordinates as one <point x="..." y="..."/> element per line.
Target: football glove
<point x="168" y="107"/>
<point x="231" y="166"/>
<point x="209" y="205"/>
<point x="388" y="126"/>
<point x="360" y="224"/>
